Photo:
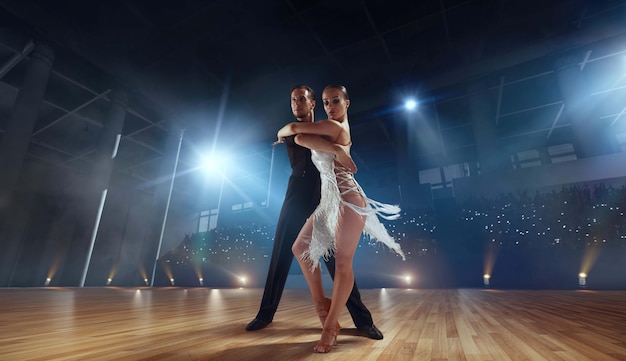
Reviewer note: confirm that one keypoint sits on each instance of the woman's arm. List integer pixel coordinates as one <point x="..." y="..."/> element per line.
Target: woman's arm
<point x="329" y="128"/>
<point x="341" y="152"/>
<point x="311" y="135"/>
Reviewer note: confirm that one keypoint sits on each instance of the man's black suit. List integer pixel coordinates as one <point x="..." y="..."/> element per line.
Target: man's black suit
<point x="301" y="199"/>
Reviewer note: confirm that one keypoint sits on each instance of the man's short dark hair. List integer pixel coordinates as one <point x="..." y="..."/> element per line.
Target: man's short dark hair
<point x="305" y="87"/>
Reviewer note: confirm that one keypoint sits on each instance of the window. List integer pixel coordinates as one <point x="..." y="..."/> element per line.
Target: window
<point x="431" y="176"/>
<point x="526" y="158"/>
<point x="242" y="207"/>
<point x="453" y="171"/>
<point x="203" y="222"/>
<point x="565" y="152"/>
<point x="440" y="178"/>
<point x="208" y="220"/>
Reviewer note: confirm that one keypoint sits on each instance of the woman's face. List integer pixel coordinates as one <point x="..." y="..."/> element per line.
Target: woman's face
<point x="335" y="104"/>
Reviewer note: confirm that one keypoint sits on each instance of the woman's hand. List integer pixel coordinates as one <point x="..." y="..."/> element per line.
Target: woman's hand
<point x="342" y="155"/>
<point x="285" y="131"/>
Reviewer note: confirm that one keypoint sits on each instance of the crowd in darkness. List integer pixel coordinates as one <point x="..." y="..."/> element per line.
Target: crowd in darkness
<point x="252" y="243"/>
<point x="571" y="217"/>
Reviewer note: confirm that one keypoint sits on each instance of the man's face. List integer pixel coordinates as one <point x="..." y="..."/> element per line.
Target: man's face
<point x="301" y="103"/>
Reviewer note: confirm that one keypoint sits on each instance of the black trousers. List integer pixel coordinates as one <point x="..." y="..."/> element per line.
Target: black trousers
<point x="303" y="195"/>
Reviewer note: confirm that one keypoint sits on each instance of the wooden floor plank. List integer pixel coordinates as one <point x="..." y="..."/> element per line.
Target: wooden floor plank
<point x="208" y="324"/>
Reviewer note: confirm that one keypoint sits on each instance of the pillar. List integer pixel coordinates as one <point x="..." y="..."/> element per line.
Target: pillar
<point x="13" y="147"/>
<point x="492" y="160"/>
<point x="156" y="213"/>
<point x="83" y="241"/>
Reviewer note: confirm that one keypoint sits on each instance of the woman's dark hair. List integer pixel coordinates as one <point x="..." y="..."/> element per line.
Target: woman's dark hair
<point x="341" y="88"/>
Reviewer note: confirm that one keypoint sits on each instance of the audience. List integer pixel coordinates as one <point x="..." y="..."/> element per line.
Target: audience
<point x="573" y="217"/>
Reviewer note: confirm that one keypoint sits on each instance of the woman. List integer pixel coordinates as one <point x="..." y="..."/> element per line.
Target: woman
<point x="343" y="214"/>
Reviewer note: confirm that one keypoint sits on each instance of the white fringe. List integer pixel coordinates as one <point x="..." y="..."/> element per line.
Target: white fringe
<point x="326" y="215"/>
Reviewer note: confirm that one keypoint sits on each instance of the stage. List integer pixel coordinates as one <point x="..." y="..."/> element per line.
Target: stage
<point x="208" y="324"/>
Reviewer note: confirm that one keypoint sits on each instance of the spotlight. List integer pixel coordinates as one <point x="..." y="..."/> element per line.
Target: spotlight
<point x="582" y="280"/>
<point x="486" y="279"/>
<point x="407" y="280"/>
<point x="145" y="280"/>
<point x="410" y="104"/>
<point x="172" y="281"/>
<point x="215" y="163"/>
<point x="201" y="281"/>
<point x="47" y="283"/>
<point x="243" y="280"/>
<point x="109" y="281"/>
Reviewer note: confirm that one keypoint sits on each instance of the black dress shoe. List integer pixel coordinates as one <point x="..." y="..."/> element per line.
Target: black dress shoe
<point x="258" y="324"/>
<point x="372" y="332"/>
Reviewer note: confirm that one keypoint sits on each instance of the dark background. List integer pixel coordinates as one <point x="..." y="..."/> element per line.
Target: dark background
<point x="513" y="96"/>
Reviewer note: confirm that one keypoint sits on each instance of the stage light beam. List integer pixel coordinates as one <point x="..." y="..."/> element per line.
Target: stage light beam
<point x="410" y="104"/>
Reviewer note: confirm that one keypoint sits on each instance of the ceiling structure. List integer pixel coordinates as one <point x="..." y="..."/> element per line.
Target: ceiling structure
<point x="222" y="70"/>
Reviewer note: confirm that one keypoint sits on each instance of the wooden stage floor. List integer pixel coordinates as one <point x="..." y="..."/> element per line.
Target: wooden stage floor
<point x="208" y="324"/>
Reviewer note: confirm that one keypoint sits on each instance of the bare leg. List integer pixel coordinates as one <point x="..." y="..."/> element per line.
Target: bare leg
<point x="348" y="235"/>
<point x="313" y="279"/>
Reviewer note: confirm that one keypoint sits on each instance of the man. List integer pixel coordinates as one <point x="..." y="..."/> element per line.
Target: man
<point x="301" y="199"/>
